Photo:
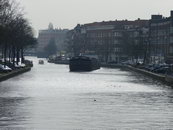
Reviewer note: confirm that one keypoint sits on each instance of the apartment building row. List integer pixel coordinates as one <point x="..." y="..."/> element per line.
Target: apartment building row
<point x="161" y="38"/>
<point x="150" y="40"/>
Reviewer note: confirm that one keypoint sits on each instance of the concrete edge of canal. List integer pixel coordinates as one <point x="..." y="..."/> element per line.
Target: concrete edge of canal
<point x="162" y="78"/>
<point x="14" y="73"/>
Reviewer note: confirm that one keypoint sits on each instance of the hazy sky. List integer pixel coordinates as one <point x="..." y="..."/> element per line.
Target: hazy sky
<point x="67" y="13"/>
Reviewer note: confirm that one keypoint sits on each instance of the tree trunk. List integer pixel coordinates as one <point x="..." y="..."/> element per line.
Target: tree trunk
<point x="2" y="52"/>
<point x="14" y="55"/>
<point x="22" y="56"/>
<point x="5" y="55"/>
<point x="9" y="55"/>
<point x="18" y="55"/>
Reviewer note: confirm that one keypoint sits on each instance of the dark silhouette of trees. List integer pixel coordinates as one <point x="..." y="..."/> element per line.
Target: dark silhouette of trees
<point x="15" y="32"/>
<point x="107" y="48"/>
<point x="51" y="48"/>
<point x="133" y="46"/>
<point x="75" y="41"/>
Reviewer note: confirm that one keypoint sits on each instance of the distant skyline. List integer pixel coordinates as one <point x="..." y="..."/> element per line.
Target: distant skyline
<point x="66" y="14"/>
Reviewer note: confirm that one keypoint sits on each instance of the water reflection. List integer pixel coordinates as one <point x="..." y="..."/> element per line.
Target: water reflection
<point x="12" y="111"/>
<point x="51" y="97"/>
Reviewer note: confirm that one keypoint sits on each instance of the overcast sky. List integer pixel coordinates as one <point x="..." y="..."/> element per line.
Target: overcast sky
<point x="67" y="13"/>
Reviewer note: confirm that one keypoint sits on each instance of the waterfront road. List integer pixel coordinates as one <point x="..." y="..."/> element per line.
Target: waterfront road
<point x="49" y="97"/>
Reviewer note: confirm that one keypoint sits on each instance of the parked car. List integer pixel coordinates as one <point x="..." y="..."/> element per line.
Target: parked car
<point x="22" y="65"/>
<point x="5" y="68"/>
<point x="149" y="67"/>
<point x="159" y="66"/>
<point x="112" y="62"/>
<point x="162" y="70"/>
<point x="17" y="66"/>
<point x="28" y="63"/>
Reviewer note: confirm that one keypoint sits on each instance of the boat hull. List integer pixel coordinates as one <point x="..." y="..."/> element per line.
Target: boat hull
<point x="83" y="64"/>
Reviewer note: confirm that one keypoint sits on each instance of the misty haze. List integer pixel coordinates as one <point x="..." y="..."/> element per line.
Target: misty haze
<point x="86" y="64"/>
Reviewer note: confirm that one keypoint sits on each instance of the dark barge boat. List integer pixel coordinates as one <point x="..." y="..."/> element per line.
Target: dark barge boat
<point x="83" y="63"/>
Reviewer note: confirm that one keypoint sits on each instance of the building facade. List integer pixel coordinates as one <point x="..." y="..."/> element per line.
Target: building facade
<point x="161" y="38"/>
<point x="149" y="40"/>
<point x="108" y="39"/>
<point x="45" y="36"/>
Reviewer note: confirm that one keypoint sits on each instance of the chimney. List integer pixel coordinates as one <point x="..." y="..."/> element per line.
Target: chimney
<point x="156" y="17"/>
<point x="171" y="13"/>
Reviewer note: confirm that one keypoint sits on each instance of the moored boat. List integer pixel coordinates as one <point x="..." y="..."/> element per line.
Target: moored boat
<point x="41" y="62"/>
<point x="83" y="63"/>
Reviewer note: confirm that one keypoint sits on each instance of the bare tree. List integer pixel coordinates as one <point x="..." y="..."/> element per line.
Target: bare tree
<point x="16" y="32"/>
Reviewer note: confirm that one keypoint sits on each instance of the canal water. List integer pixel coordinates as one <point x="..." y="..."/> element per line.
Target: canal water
<point x="49" y="97"/>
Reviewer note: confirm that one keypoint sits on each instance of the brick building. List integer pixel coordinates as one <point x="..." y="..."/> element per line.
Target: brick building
<point x="105" y="39"/>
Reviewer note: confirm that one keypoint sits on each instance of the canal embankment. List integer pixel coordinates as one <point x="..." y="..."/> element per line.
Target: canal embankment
<point x="13" y="73"/>
<point x="112" y="65"/>
<point x="166" y="79"/>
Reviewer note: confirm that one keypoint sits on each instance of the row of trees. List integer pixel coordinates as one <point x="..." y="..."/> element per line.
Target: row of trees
<point x="16" y="33"/>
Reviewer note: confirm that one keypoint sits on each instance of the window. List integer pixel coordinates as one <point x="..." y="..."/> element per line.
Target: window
<point x="117" y="34"/>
